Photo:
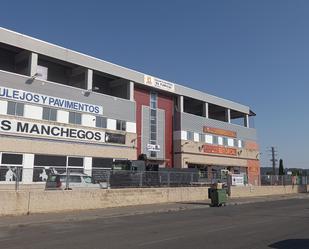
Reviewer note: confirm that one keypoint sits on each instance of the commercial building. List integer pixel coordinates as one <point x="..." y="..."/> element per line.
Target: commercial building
<point x="59" y="107"/>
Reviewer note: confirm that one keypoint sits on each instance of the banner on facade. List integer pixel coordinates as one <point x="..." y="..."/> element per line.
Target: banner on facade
<point x="158" y="83"/>
<point x="24" y="128"/>
<point x="36" y="98"/>
<point x="220" y="132"/>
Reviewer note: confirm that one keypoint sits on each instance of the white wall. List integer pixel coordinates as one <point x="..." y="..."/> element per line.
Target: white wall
<point x="131" y="127"/>
<point x="3" y="107"/>
<point x="88" y="120"/>
<point x="111" y="124"/>
<point x="209" y="139"/>
<point x="32" y="111"/>
<point x="230" y="142"/>
<point x="62" y="116"/>
<point x="183" y="135"/>
<point x="88" y="165"/>
<point x="196" y="137"/>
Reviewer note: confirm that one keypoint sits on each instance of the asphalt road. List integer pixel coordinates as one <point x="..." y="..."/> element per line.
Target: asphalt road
<point x="279" y="224"/>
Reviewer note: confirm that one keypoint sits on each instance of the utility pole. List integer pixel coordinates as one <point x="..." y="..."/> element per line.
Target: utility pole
<point x="273" y="159"/>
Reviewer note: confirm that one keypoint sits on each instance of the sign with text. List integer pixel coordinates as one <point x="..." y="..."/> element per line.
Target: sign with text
<point x="215" y="149"/>
<point x="220" y="132"/>
<point x="24" y="128"/>
<point x="158" y="83"/>
<point x="153" y="147"/>
<point x="238" y="180"/>
<point x="36" y="98"/>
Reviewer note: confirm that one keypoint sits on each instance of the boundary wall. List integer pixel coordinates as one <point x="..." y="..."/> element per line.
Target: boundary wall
<point x="29" y="201"/>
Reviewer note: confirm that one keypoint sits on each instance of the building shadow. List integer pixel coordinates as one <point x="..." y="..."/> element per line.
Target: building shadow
<point x="291" y="244"/>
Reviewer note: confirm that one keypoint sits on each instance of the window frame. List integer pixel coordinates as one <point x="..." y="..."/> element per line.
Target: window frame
<point x="99" y="120"/>
<point x="50" y="113"/>
<point x="122" y="125"/>
<point x="76" y="114"/>
<point x="16" y="105"/>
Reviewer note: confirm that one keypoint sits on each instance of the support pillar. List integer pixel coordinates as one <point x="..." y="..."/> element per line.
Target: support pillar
<point x="33" y="64"/>
<point x="228" y="115"/>
<point x="88" y="165"/>
<point x="89" y="79"/>
<point x="180" y="104"/>
<point x="131" y="90"/>
<point x="28" y="163"/>
<point x="206" y="110"/>
<point x="246" y="121"/>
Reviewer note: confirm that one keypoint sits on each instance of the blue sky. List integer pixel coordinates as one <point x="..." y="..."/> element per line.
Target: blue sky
<point x="252" y="52"/>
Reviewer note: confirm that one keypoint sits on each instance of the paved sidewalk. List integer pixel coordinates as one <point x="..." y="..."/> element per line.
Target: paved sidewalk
<point x="33" y="219"/>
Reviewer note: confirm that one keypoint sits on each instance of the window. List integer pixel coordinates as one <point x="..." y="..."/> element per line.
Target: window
<point x="121" y="125"/>
<point x="235" y="142"/>
<point x="101" y="162"/>
<point x="225" y="141"/>
<point x="49" y="160"/>
<point x="190" y="135"/>
<point x="215" y="140"/>
<point x="49" y="114"/>
<point x="15" y="159"/>
<point x="15" y="108"/>
<point x="153" y="121"/>
<point x="75" y="118"/>
<point x="75" y="161"/>
<point x="202" y="138"/>
<point x="100" y="122"/>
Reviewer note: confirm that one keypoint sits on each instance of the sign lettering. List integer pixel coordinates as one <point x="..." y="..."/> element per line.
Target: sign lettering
<point x="213" y="149"/>
<point x="36" y="98"/>
<point x="24" y="128"/>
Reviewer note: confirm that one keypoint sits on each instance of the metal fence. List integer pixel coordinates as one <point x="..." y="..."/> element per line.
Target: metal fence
<point x="283" y="180"/>
<point x="16" y="177"/>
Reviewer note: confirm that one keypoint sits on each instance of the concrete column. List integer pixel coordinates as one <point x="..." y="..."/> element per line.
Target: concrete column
<point x="28" y="163"/>
<point x="88" y="165"/>
<point x="180" y="104"/>
<point x="89" y="79"/>
<point x="33" y="64"/>
<point x="228" y="115"/>
<point x="131" y="90"/>
<point x="246" y="121"/>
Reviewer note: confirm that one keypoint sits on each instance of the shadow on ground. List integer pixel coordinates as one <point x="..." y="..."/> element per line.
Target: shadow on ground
<point x="291" y="244"/>
<point x="195" y="203"/>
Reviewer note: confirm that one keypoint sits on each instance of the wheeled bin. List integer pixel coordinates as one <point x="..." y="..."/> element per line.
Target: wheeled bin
<point x="217" y="196"/>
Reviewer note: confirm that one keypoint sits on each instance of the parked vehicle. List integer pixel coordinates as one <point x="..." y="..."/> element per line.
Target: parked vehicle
<point x="75" y="180"/>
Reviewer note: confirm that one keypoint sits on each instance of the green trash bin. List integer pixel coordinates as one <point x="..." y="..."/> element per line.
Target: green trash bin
<point x="218" y="197"/>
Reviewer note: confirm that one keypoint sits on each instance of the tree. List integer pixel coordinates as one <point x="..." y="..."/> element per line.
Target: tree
<point x="281" y="169"/>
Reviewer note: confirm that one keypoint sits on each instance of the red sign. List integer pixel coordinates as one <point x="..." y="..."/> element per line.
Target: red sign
<point x="214" y="149"/>
<point x="218" y="131"/>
